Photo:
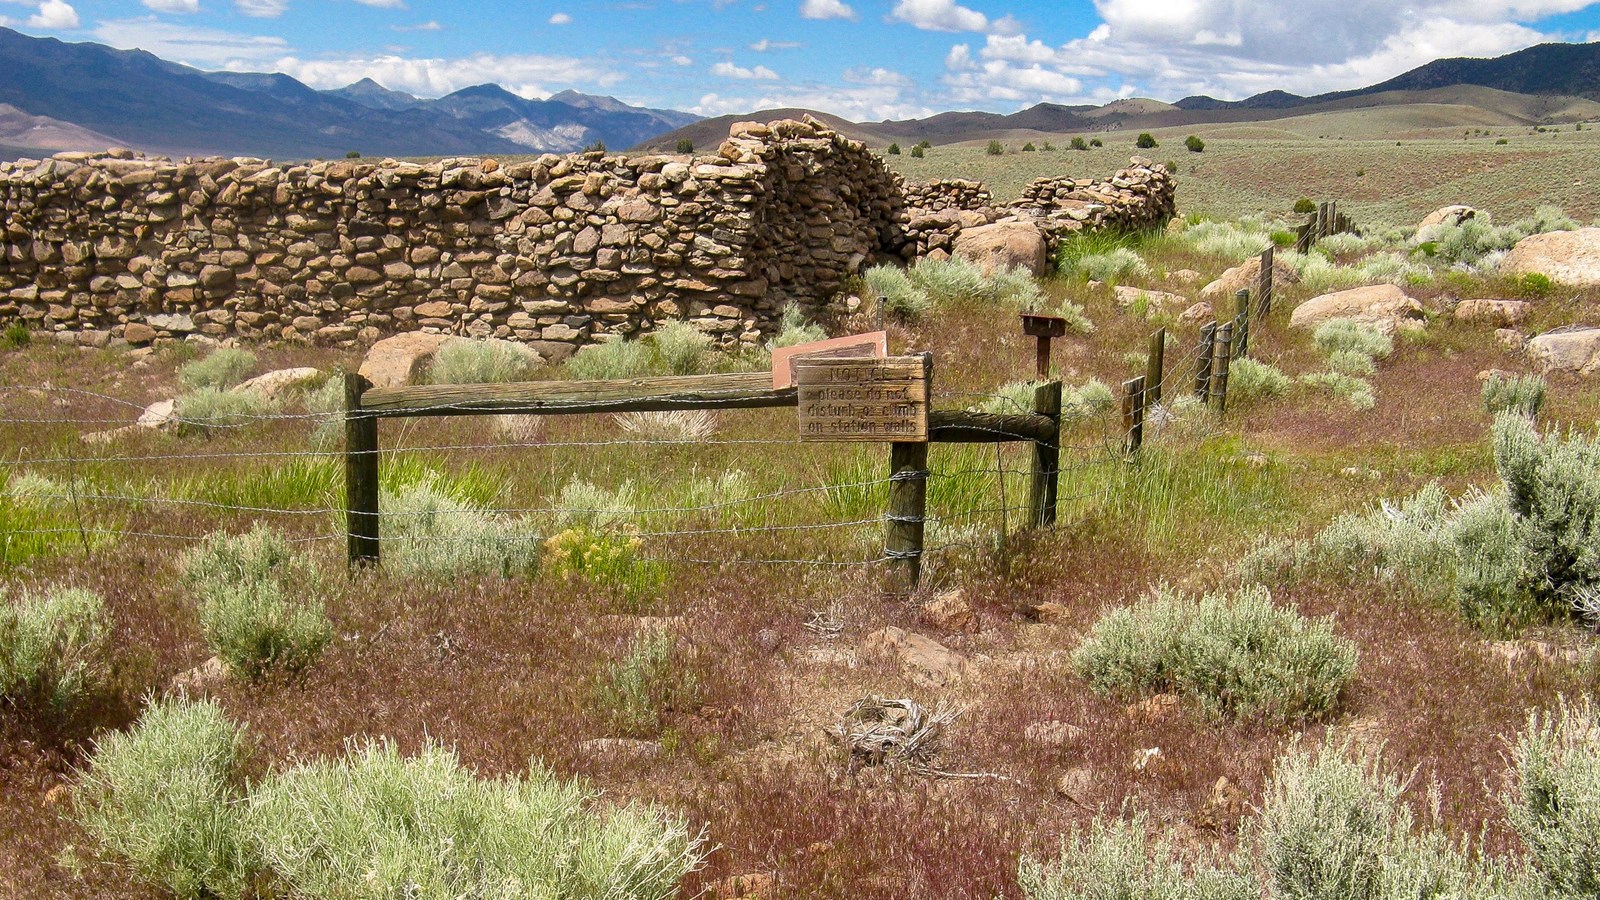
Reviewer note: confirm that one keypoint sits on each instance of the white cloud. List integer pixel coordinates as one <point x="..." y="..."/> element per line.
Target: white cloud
<point x="174" y="6"/>
<point x="430" y="25"/>
<point x="262" y="9"/>
<point x="861" y="104"/>
<point x="54" y="14"/>
<point x="939" y="15"/>
<point x="729" y="70"/>
<point x="560" y="18"/>
<point x="526" y="75"/>
<point x="384" y="4"/>
<point x="766" y="44"/>
<point x="826" y="9"/>
<point x="875" y="75"/>
<point x="959" y="57"/>
<point x="681" y="60"/>
<point x="202" y="47"/>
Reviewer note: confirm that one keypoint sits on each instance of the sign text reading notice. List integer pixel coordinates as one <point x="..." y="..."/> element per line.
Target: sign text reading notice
<point x="863" y="399"/>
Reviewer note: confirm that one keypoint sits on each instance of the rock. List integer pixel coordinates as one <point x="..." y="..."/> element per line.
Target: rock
<point x="1012" y="243"/>
<point x="177" y="324"/>
<point x="1199" y="312"/>
<point x="1052" y="733"/>
<point x="1189" y="276"/>
<point x="399" y="360"/>
<point x="1226" y="805"/>
<point x="1078" y="784"/>
<point x="949" y="611"/>
<point x="158" y="414"/>
<point x="1155" y="709"/>
<point x="1247" y="277"/>
<point x="929" y="661"/>
<point x="1510" y="338"/>
<point x="1383" y="306"/>
<point x="280" y="385"/>
<point x="1574" y="349"/>
<point x="137" y="333"/>
<point x="1156" y="300"/>
<point x="1144" y="759"/>
<point x="1499" y="313"/>
<point x="1566" y="257"/>
<point x="754" y="887"/>
<point x="1049" y="613"/>
<point x="200" y="680"/>
<point x="1450" y="215"/>
<point x="620" y="750"/>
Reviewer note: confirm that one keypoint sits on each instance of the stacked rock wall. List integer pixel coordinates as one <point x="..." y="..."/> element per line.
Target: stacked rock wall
<point x="555" y="251"/>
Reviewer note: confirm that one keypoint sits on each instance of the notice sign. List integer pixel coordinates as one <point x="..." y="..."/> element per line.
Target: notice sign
<point x="863" y="399"/>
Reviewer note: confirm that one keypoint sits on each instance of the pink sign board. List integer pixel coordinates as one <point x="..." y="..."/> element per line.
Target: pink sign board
<point x="873" y="345"/>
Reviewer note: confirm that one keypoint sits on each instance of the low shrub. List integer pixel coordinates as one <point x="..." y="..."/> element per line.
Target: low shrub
<point x="1553" y="491"/>
<point x="433" y="532"/>
<point x="1193" y="144"/>
<point x="1521" y="394"/>
<point x="1010" y="399"/>
<point x="681" y="347"/>
<point x="1111" y="267"/>
<point x="995" y="148"/>
<point x="608" y="558"/>
<point x="1117" y="860"/>
<point x="1029" y="148"/>
<point x="893" y="150"/>
<point x="612" y="360"/>
<point x="1351" y="362"/>
<point x="163" y="800"/>
<point x="222" y="368"/>
<point x="1305" y="206"/>
<point x="374" y="824"/>
<point x="1338" y="335"/>
<point x="1250" y="380"/>
<point x="1237" y="655"/>
<point x="1078" y="143"/>
<point x="794" y="329"/>
<point x="463" y="361"/>
<point x="1145" y="141"/>
<point x="679" y="425"/>
<point x="584" y="504"/>
<point x="685" y="145"/>
<point x="1552" y="797"/>
<point x="917" y="152"/>
<point x="243" y="585"/>
<point x="1234" y="241"/>
<point x="898" y="296"/>
<point x="209" y="409"/>
<point x="15" y="337"/>
<point x="326" y="404"/>
<point x="638" y="691"/>
<point x="1355" y="391"/>
<point x="1096" y="142"/>
<point x="1089" y="400"/>
<point x="52" y="646"/>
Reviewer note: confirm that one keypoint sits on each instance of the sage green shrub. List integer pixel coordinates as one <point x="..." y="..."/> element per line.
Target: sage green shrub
<point x="52" y="646"/>
<point x="1553" y="801"/>
<point x="259" y="610"/>
<point x="220" y="369"/>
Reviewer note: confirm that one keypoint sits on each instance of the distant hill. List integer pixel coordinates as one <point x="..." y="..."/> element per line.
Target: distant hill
<point x="133" y="98"/>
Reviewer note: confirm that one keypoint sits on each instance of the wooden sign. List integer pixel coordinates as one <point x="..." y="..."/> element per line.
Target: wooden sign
<point x="864" y="399"/>
<point x="872" y="345"/>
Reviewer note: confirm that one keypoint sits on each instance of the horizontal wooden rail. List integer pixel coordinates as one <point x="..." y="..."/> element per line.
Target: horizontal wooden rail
<point x="954" y="426"/>
<point x="745" y="390"/>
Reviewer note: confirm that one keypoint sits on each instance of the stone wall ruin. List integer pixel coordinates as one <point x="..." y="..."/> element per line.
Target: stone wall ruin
<point x="556" y="251"/>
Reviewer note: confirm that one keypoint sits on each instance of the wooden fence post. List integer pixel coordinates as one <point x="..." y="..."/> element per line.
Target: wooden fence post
<point x="1221" y="356"/>
<point x="1202" y="369"/>
<point x="1133" y="414"/>
<point x="1324" y="211"/>
<point x="1264" y="284"/>
<point x="360" y="475"/>
<point x="908" y="503"/>
<point x="1046" y="458"/>
<point x="1241" y="324"/>
<point x="1154" y="365"/>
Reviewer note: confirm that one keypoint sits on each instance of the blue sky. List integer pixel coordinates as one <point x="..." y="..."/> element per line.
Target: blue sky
<point x="863" y="59"/>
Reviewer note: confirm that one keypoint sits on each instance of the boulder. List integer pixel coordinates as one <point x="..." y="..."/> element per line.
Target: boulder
<point x="949" y="611"/>
<point x="1008" y="243"/>
<point x="1450" y="215"/>
<point x="1199" y="312"/>
<point x="280" y="385"/>
<point x="927" y="661"/>
<point x="1246" y="277"/>
<point x="158" y="414"/>
<point x="1568" y="257"/>
<point x="1574" y="349"/>
<point x="1383" y="306"/>
<point x="1499" y="313"/>
<point x="1128" y="296"/>
<point x="397" y="361"/>
<point x="137" y="333"/>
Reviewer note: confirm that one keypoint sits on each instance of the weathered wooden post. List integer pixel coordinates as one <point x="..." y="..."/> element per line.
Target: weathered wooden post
<point x="1133" y="414"/>
<point x="908" y="500"/>
<point x="1264" y="284"/>
<point x="1046" y="457"/>
<point x="1221" y="356"/>
<point x="1324" y="219"/>
<point x="1154" y="365"/>
<point x="360" y="475"/>
<point x="1241" y="323"/>
<point x="1042" y="329"/>
<point x="1202" y="369"/>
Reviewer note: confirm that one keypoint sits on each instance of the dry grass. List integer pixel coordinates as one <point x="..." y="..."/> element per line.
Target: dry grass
<point x="504" y="670"/>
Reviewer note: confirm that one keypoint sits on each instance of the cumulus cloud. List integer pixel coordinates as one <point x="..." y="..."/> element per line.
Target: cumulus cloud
<point x="729" y="70"/>
<point x="174" y="6"/>
<point x="430" y="25"/>
<point x="525" y="75"/>
<point x="681" y="60"/>
<point x="766" y="44"/>
<point x="202" y="47"/>
<point x="861" y="104"/>
<point x="54" y="14"/>
<point x="560" y="18"/>
<point x="262" y="9"/>
<point x="939" y="15"/>
<point x="875" y="75"/>
<point x="826" y="9"/>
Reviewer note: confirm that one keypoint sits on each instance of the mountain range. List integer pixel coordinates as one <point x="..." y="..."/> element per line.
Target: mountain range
<point x="56" y="95"/>
<point x="84" y="96"/>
